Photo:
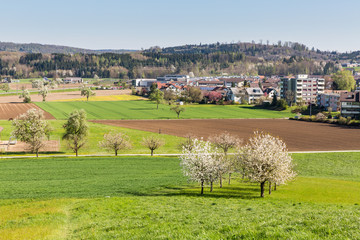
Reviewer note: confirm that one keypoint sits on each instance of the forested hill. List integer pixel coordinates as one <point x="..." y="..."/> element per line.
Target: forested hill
<point x="44" y="48"/>
<point x="266" y="51"/>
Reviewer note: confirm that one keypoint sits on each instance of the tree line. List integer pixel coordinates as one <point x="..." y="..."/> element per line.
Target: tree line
<point x="151" y="64"/>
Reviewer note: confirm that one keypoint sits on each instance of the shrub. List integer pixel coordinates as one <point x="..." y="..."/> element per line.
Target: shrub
<point x="320" y="117"/>
<point x="342" y="121"/>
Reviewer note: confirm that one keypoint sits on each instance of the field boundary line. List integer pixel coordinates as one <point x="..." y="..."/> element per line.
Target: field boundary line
<point x="161" y="154"/>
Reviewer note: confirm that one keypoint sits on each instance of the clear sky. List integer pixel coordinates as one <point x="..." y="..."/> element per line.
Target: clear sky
<point x="136" y="24"/>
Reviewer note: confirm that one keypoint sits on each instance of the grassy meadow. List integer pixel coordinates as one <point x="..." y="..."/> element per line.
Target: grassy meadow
<point x="148" y="198"/>
<point x="147" y="110"/>
<point x="96" y="134"/>
<point x="104" y="98"/>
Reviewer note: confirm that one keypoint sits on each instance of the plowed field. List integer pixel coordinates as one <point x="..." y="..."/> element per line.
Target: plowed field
<point x="299" y="136"/>
<point x="12" y="110"/>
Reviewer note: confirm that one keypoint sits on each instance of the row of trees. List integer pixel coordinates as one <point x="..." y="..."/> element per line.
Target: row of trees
<point x="263" y="159"/>
<point x="33" y="129"/>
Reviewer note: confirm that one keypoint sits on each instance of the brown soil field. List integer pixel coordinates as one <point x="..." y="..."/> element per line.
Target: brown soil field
<point x="12" y="110"/>
<point x="298" y="135"/>
<point x="50" y="146"/>
<point x="61" y="95"/>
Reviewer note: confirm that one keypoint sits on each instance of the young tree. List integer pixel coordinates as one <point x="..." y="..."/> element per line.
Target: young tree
<point x="156" y="96"/>
<point x="152" y="143"/>
<point x="76" y="130"/>
<point x="5" y="87"/>
<point x="266" y="159"/>
<point x="290" y="97"/>
<point x="200" y="163"/>
<point x="43" y="91"/>
<point x="32" y="129"/>
<point x="115" y="141"/>
<point x="343" y="80"/>
<point x="25" y="95"/>
<point x="194" y="94"/>
<point x="169" y="95"/>
<point x="274" y="100"/>
<point x="87" y="92"/>
<point x="177" y="109"/>
<point x="188" y="143"/>
<point x="225" y="141"/>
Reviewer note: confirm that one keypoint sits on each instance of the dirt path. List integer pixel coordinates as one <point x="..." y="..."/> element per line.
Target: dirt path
<point x="299" y="136"/>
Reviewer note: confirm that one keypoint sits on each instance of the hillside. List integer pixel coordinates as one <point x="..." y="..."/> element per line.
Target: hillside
<point x="45" y="48"/>
<point x="266" y="51"/>
<point x="36" y="60"/>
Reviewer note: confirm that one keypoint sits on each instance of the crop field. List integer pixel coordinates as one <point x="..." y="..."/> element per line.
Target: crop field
<point x="147" y="198"/>
<point x="298" y="135"/>
<point x="104" y="98"/>
<point x="59" y="94"/>
<point x="147" y="110"/>
<point x="12" y="110"/>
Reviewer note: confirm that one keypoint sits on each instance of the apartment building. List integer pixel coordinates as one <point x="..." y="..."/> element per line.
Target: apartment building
<point x="327" y="100"/>
<point x="350" y="104"/>
<point x="302" y="87"/>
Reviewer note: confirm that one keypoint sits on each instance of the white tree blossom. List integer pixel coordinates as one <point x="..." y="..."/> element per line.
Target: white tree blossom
<point x="201" y="163"/>
<point x="225" y="141"/>
<point x="266" y="159"/>
<point x="32" y="129"/>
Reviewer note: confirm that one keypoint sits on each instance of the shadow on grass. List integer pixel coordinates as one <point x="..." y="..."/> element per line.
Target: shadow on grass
<point x="240" y="191"/>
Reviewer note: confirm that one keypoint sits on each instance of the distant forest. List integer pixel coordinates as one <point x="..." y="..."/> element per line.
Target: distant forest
<point x="202" y="60"/>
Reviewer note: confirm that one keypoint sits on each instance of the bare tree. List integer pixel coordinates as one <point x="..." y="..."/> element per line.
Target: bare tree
<point x="32" y="129"/>
<point x="266" y="159"/>
<point x="152" y="143"/>
<point x="115" y="141"/>
<point x="225" y="141"/>
<point x="290" y="97"/>
<point x="188" y="143"/>
<point x="177" y="109"/>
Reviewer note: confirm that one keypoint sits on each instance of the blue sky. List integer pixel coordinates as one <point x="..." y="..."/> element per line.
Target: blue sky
<point x="136" y="24"/>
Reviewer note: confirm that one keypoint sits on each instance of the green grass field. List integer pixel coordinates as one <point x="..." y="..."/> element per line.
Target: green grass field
<point x="147" y="110"/>
<point x="148" y="198"/>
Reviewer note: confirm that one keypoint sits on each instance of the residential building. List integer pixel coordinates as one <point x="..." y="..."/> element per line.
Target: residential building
<point x="73" y="80"/>
<point x="168" y="78"/>
<point x="302" y="87"/>
<point x="142" y="82"/>
<point x="233" y="82"/>
<point x="253" y="94"/>
<point x="350" y="104"/>
<point x="327" y="100"/>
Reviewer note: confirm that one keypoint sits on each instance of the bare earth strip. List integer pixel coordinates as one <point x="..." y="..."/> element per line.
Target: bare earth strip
<point x="12" y="110"/>
<point x="299" y="136"/>
<point x="61" y="96"/>
<point x="50" y="146"/>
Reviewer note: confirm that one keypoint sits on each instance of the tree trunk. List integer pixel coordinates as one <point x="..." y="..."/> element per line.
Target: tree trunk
<point x="269" y="188"/>
<point x="115" y="152"/>
<point x="262" y="188"/>
<point x="152" y="152"/>
<point x="229" y="178"/>
<point x="211" y="186"/>
<point x="157" y="106"/>
<point x="202" y="187"/>
<point x="220" y="176"/>
<point x="37" y="153"/>
<point x="274" y="186"/>
<point x="76" y="151"/>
